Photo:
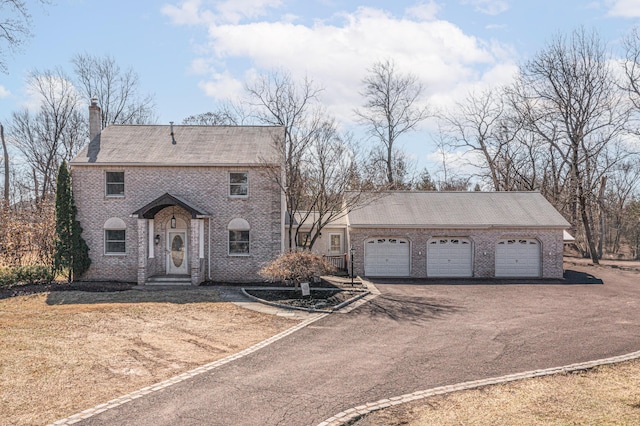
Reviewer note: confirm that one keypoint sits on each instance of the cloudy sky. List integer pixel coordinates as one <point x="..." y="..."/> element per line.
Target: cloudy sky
<point x="193" y="53"/>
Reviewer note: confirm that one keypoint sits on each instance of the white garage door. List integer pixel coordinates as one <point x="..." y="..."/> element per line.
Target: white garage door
<point x="387" y="257"/>
<point x="518" y="258"/>
<point x="449" y="257"/>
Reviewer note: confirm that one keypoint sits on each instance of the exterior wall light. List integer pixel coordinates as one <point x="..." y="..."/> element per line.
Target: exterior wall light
<point x="157" y="239"/>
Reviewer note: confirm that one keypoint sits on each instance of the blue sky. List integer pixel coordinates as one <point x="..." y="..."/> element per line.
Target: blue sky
<point x="192" y="53"/>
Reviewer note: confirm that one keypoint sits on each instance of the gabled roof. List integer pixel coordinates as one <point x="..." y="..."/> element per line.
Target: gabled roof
<point x="149" y="211"/>
<point x="194" y="146"/>
<point x="432" y="209"/>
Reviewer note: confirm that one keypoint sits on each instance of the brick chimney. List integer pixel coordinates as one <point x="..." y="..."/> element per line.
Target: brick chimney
<point x="95" y="122"/>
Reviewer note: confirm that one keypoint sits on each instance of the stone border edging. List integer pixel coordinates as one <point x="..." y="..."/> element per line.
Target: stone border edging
<point x="312" y="310"/>
<point x="361" y="410"/>
<point x="182" y="377"/>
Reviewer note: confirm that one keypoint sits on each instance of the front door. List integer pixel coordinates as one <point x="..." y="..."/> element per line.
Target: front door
<point x="177" y="260"/>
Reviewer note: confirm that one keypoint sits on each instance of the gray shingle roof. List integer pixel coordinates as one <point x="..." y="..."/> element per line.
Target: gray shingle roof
<point x="458" y="209"/>
<point x="195" y="145"/>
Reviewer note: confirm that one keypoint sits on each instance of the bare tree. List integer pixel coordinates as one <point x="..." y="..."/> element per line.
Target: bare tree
<point x="217" y="118"/>
<point x="277" y="99"/>
<point x="391" y="109"/>
<point x="15" y="28"/>
<point x="327" y="172"/>
<point x="117" y="90"/>
<point x="5" y="156"/>
<point x="570" y="100"/>
<point x="54" y="132"/>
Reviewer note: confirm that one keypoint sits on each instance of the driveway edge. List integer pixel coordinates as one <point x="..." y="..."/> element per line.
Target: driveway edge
<point x="182" y="377"/>
<point x="356" y="412"/>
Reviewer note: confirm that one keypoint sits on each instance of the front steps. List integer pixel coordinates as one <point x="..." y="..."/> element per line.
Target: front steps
<point x="169" y="280"/>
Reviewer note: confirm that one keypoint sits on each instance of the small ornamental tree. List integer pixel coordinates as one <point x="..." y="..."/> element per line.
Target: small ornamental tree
<point x="71" y="252"/>
<point x="296" y="267"/>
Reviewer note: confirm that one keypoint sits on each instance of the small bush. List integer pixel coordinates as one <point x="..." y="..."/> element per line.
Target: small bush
<point x="25" y="275"/>
<point x="296" y="267"/>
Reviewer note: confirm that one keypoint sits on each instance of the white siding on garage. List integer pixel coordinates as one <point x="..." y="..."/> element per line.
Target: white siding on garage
<point x="449" y="257"/>
<point x="518" y="258"/>
<point x="387" y="257"/>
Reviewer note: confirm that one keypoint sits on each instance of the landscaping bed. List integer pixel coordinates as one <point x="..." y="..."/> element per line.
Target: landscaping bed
<point x="319" y="298"/>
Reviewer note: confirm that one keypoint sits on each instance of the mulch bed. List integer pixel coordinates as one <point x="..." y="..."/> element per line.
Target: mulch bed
<point x="26" y="289"/>
<point x="319" y="299"/>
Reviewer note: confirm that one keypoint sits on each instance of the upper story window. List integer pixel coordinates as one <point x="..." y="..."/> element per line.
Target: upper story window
<point x="239" y="184"/>
<point x="114" y="184"/>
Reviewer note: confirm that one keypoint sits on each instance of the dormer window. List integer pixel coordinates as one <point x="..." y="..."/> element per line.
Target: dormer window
<point x="239" y="184"/>
<point x="114" y="184"/>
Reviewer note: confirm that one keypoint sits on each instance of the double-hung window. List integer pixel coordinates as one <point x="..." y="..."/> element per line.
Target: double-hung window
<point x="238" y="237"/>
<point x="239" y="184"/>
<point x="115" y="241"/>
<point x="114" y="184"/>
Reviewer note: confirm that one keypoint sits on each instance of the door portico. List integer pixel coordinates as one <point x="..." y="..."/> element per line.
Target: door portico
<point x="170" y="239"/>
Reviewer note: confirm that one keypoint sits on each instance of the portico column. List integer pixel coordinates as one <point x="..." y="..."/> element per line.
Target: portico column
<point x="194" y="246"/>
<point x="142" y="251"/>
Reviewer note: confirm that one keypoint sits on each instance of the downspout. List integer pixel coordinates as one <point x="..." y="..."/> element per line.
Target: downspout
<point x="209" y="252"/>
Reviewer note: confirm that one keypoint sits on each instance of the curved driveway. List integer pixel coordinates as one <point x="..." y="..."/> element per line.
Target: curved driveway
<point x="409" y="338"/>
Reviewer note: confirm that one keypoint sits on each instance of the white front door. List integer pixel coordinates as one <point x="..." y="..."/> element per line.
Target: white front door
<point x="335" y="244"/>
<point x="177" y="259"/>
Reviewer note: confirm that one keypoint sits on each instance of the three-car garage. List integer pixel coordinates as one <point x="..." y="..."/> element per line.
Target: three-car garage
<point x="458" y="235"/>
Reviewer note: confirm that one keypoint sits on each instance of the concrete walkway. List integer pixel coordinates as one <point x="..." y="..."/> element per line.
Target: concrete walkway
<point x="411" y="337"/>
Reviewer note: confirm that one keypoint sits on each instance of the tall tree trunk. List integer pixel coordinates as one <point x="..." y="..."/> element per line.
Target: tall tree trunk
<point x="6" y="166"/>
<point x="603" y="183"/>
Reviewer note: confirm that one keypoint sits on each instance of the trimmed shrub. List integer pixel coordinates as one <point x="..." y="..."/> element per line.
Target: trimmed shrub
<point x="31" y="274"/>
<point x="296" y="267"/>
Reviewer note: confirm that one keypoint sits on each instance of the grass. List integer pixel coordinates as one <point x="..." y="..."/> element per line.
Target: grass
<point x="606" y="395"/>
<point x="63" y="352"/>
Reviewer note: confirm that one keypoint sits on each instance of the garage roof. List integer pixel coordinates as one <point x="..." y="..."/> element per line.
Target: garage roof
<point x="410" y="209"/>
<point x="151" y="145"/>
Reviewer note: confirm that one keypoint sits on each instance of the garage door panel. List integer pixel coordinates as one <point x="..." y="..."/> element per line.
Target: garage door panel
<point x="449" y="257"/>
<point x="518" y="258"/>
<point x="387" y="257"/>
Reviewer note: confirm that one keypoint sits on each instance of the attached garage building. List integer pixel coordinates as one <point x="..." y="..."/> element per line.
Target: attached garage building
<point x="458" y="235"/>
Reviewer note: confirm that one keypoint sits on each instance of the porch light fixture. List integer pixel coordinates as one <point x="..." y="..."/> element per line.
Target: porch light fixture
<point x="173" y="219"/>
<point x="157" y="239"/>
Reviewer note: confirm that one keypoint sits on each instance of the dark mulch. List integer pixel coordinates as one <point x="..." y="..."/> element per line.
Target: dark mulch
<point x="26" y="289"/>
<point x="319" y="299"/>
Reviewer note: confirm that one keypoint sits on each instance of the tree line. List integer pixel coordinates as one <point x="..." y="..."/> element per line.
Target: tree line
<point x="566" y="126"/>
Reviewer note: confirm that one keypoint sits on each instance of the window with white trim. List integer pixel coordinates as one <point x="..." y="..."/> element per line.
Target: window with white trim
<point x="115" y="241"/>
<point x="115" y="236"/>
<point x="239" y="184"/>
<point x="114" y="184"/>
<point x="239" y="242"/>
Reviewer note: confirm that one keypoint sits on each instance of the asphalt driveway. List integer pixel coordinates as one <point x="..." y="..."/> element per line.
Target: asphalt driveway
<point x="412" y="337"/>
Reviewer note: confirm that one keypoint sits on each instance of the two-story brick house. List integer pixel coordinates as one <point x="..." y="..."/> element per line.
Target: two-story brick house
<point x="188" y="202"/>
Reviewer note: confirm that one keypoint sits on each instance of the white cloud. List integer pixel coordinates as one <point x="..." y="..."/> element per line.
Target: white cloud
<point x="336" y="53"/>
<point x="489" y="7"/>
<point x="194" y="12"/>
<point x="624" y="8"/>
<point x="4" y="92"/>
<point x="424" y="11"/>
